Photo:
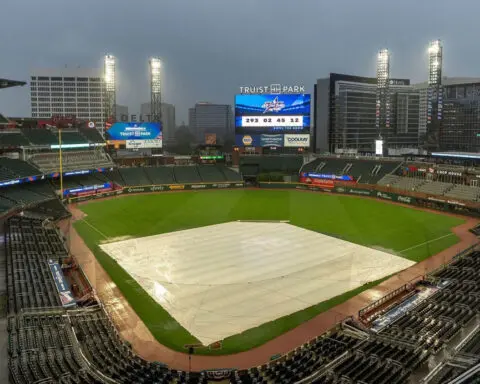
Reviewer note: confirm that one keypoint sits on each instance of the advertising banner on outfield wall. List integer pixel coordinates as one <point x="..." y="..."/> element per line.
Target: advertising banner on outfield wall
<point x="321" y="183"/>
<point x="180" y="187"/>
<point x="354" y="191"/>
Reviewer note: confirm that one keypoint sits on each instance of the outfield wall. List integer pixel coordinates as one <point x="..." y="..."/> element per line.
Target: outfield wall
<point x="156" y="188"/>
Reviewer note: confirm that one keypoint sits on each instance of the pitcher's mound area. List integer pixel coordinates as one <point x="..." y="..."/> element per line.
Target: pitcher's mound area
<point x="220" y="280"/>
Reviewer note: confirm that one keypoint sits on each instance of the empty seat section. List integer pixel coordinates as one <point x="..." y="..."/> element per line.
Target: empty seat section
<point x="211" y="174"/>
<point x="71" y="160"/>
<point x="21" y="194"/>
<point x="134" y="176"/>
<point x="73" y="137"/>
<point x="434" y="187"/>
<point x="11" y="169"/>
<point x="37" y="136"/>
<point x="464" y="192"/>
<point x="92" y="135"/>
<point x="160" y="175"/>
<point x="13" y="139"/>
<point x="230" y="174"/>
<point x="186" y="174"/>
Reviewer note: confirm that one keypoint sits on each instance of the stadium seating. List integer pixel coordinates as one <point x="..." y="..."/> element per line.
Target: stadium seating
<point x="434" y="187"/>
<point x="72" y="160"/>
<point x="364" y="171"/>
<point x="187" y="174"/>
<point x="6" y="205"/>
<point x="13" y="138"/>
<point x="11" y="169"/>
<point x="408" y="183"/>
<point x="95" y="178"/>
<point x="92" y="135"/>
<point x="41" y="137"/>
<point x="464" y="192"/>
<point x="160" y="175"/>
<point x="73" y="137"/>
<point x="134" y="176"/>
<point x="389" y="180"/>
<point x="28" y="193"/>
<point x="115" y="176"/>
<point x="211" y="174"/>
<point x="231" y="175"/>
<point x="52" y="209"/>
<point x="28" y="246"/>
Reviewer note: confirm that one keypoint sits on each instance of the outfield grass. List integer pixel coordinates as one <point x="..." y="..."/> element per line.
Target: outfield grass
<point x="410" y="233"/>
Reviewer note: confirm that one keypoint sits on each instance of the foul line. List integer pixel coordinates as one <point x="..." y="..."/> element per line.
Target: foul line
<point x="427" y="242"/>
<point x="94" y="228"/>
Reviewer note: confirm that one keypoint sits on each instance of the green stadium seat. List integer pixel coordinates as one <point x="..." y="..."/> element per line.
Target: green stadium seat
<point x="211" y="174"/>
<point x="187" y="174"/>
<point x="13" y="138"/>
<point x="134" y="176"/>
<point x="160" y="175"/>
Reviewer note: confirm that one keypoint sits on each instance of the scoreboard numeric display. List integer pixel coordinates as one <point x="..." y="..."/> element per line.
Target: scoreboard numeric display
<point x="272" y="121"/>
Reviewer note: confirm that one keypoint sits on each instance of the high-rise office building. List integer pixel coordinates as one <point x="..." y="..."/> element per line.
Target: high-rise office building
<point x="207" y="118"/>
<point x="167" y="117"/>
<point x="345" y="109"/>
<point x="69" y="91"/>
<point x="460" y="123"/>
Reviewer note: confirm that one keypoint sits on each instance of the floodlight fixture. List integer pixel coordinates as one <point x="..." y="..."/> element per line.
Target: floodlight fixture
<point x="109" y="77"/>
<point x="155" y="88"/>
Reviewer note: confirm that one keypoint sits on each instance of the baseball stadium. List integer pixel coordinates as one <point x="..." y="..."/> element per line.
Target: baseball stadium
<point x="239" y="267"/>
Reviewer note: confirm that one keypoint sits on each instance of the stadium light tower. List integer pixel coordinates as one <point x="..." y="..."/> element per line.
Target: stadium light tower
<point x="382" y="117"/>
<point x="435" y="92"/>
<point x="109" y="64"/>
<point x="155" y="89"/>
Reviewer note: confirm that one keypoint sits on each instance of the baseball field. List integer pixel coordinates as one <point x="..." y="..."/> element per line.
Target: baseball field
<point x="388" y="229"/>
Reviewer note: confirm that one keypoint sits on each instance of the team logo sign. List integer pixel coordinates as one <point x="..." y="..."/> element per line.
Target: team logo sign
<point x="273" y="106"/>
<point x="247" y="140"/>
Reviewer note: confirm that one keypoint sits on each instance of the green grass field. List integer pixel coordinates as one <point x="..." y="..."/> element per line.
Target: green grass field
<point x="413" y="234"/>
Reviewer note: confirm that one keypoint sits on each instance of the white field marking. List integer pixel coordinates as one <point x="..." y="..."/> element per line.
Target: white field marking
<point x="94" y="228"/>
<point x="427" y="242"/>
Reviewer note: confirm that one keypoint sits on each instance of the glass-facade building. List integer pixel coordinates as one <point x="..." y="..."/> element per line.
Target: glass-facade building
<point x="460" y="127"/>
<point x="345" y="112"/>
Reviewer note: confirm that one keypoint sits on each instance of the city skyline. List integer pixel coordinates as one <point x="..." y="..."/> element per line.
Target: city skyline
<point x="212" y="66"/>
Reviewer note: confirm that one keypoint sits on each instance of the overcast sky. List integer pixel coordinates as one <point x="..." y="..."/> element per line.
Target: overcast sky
<point x="212" y="47"/>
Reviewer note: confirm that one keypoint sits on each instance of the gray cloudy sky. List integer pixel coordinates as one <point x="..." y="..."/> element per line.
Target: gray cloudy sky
<point x="212" y="47"/>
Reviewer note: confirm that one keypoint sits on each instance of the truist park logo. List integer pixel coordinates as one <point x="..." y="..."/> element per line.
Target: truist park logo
<point x="273" y="89"/>
<point x="273" y="106"/>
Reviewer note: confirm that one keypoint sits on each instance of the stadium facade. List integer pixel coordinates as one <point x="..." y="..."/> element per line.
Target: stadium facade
<point x="70" y="91"/>
<point x="345" y="115"/>
<point x="209" y="118"/>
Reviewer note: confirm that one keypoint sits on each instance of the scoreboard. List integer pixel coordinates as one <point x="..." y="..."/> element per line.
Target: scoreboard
<point x="263" y="119"/>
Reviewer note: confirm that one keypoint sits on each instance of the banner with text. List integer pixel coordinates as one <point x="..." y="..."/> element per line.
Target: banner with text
<point x="66" y="296"/>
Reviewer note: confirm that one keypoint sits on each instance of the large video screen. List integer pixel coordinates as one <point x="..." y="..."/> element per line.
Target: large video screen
<point x="272" y="114"/>
<point x="136" y="135"/>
